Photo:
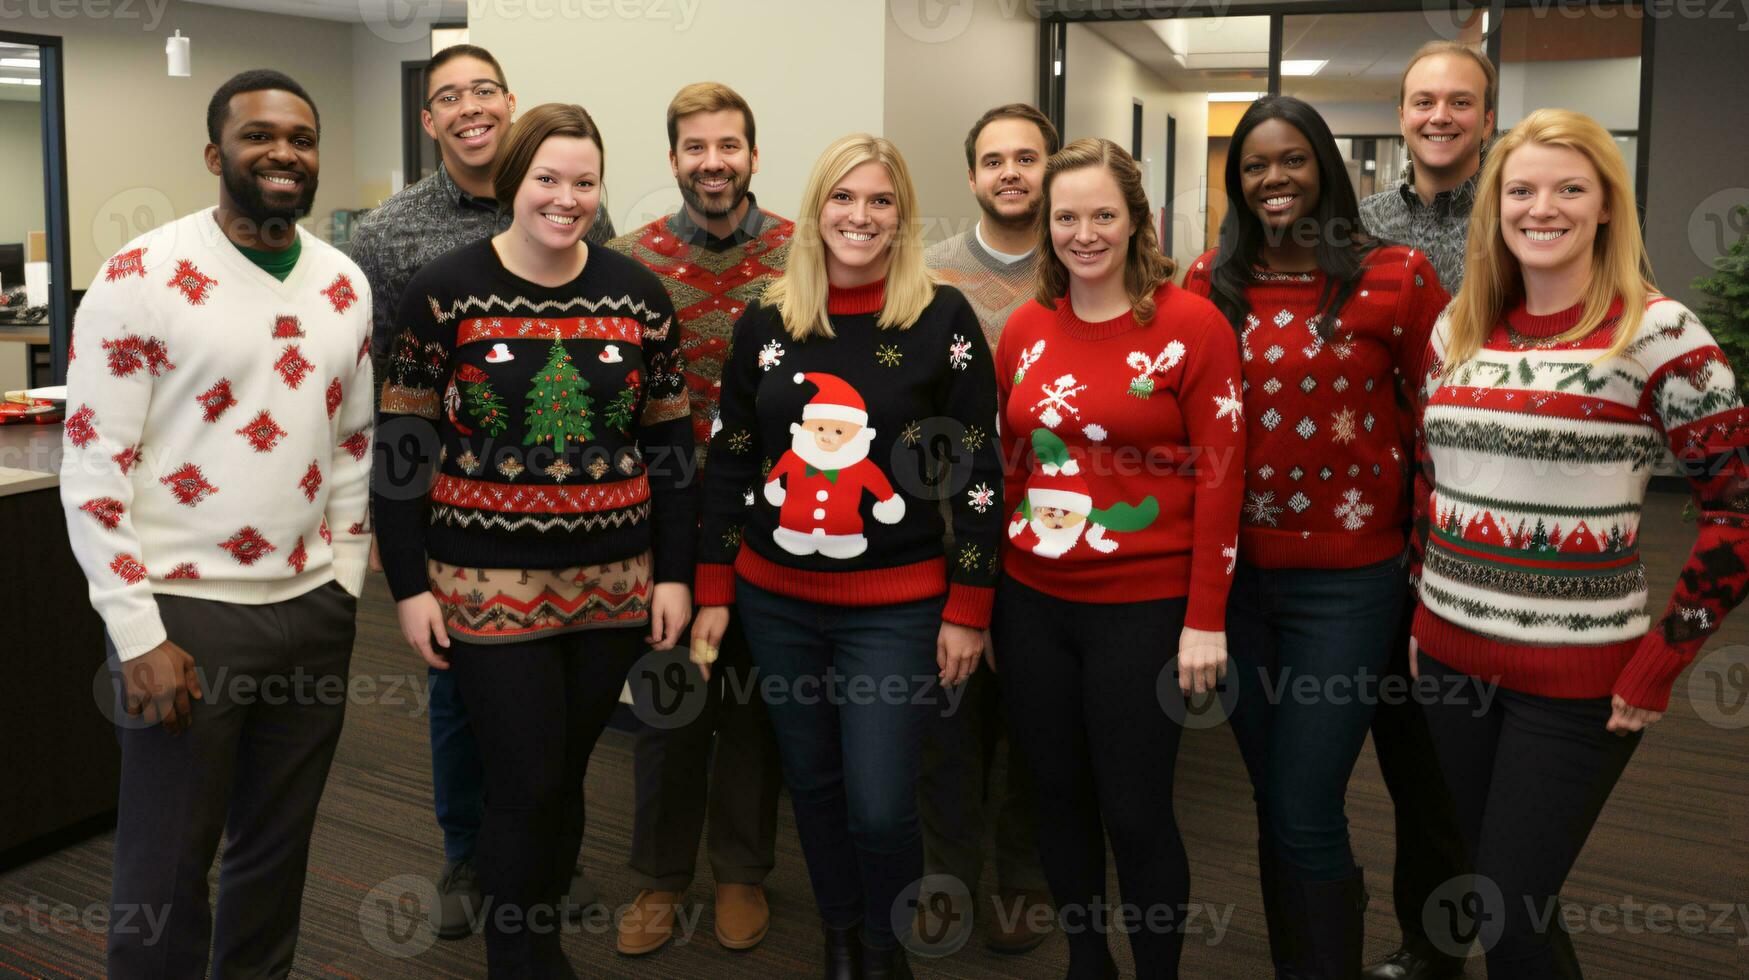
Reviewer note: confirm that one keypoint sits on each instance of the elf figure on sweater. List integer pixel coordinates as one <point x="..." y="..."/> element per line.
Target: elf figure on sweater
<point x="1057" y="510"/>
<point x="819" y="482"/>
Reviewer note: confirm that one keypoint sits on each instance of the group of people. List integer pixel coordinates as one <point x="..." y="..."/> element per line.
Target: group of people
<point x="1018" y="488"/>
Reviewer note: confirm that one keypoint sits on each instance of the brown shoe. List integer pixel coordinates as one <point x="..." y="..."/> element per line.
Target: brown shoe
<point x="742" y="915"/>
<point x="1021" y="919"/>
<point x="649" y="923"/>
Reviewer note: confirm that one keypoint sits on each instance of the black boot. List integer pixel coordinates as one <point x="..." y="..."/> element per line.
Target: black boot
<point x="844" y="952"/>
<point x="1328" y="920"/>
<point x="885" y="964"/>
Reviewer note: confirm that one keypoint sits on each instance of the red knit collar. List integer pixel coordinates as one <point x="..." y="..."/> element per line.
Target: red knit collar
<point x="1554" y="324"/>
<point x="1081" y="329"/>
<point x="856" y="299"/>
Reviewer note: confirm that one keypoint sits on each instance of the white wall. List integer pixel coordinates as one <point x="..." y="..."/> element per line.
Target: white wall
<point x="940" y="77"/>
<point x="811" y="70"/>
<point x="376" y="120"/>
<point x="1360" y="118"/>
<point x="1606" y="89"/>
<point x="1103" y="85"/>
<point x="21" y="171"/>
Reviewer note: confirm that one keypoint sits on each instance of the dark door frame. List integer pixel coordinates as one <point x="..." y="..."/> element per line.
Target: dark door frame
<point x="54" y="130"/>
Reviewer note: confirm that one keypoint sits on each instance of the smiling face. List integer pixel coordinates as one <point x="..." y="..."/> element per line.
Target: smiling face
<point x="1009" y="171"/>
<point x="468" y="112"/>
<point x="1090" y="224"/>
<point x="1442" y="116"/>
<point x="829" y="434"/>
<point x="1278" y="175"/>
<point x="713" y="162"/>
<point x="858" y="223"/>
<point x="558" y="197"/>
<point x="1056" y="518"/>
<point x="267" y="157"/>
<point x="1551" y="204"/>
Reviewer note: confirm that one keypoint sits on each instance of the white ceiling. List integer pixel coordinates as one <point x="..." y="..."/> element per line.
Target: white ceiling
<point x="355" y="11"/>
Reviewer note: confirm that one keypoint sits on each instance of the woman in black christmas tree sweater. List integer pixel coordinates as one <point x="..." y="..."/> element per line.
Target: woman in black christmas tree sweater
<point x="542" y="378"/>
<point x="858" y="395"/>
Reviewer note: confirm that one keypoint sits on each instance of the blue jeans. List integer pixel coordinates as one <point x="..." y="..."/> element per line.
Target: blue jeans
<point x="458" y="784"/>
<point x="1307" y="648"/>
<point x="848" y="689"/>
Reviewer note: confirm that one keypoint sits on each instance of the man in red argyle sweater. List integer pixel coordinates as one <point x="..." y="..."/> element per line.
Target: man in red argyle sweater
<point x="819" y="482"/>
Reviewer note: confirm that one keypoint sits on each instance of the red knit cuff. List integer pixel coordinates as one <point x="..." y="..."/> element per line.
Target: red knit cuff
<point x="1647" y="679"/>
<point x="1206" y="608"/>
<point x="968" y="605"/>
<point x="713" y="585"/>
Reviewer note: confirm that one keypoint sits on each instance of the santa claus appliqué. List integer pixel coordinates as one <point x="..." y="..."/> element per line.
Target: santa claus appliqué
<point x="819" y="483"/>
<point x="1057" y="511"/>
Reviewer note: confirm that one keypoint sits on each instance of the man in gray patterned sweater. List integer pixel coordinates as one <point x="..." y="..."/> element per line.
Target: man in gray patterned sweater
<point x="468" y="111"/>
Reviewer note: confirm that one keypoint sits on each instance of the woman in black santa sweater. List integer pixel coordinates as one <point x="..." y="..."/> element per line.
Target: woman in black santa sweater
<point x="857" y="395"/>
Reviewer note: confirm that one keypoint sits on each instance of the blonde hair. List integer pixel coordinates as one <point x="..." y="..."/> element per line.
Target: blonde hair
<point x="800" y="293"/>
<point x="1145" y="267"/>
<point x="1492" y="279"/>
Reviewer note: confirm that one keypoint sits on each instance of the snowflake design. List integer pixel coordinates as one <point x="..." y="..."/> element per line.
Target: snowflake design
<point x="969" y="557"/>
<point x="740" y="441"/>
<point x="1326" y="473"/>
<point x="1265" y="471"/>
<point x="293" y="366"/>
<point x="959" y="353"/>
<point x="1056" y="400"/>
<point x="327" y="535"/>
<point x="133" y="352"/>
<point x="311" y="483"/>
<point x="771" y="355"/>
<point x="298" y="557"/>
<point x="1094" y="432"/>
<point x="1271" y="386"/>
<point x="732" y="537"/>
<point x="286" y="326"/>
<point x="126" y="459"/>
<point x="1260" y="508"/>
<point x="1308" y="383"/>
<point x="129" y="263"/>
<point x="334" y="395"/>
<point x="1342" y="426"/>
<point x="1368" y="422"/>
<point x="340" y="293"/>
<point x="262" y="432"/>
<point x="128" y="568"/>
<point x="974" y="438"/>
<point x="81" y="427"/>
<point x="1344" y="349"/>
<point x="909" y="436"/>
<point x="1270" y="419"/>
<point x="1229" y="407"/>
<point x="247" y="546"/>
<point x="1283" y="318"/>
<point x="628" y="462"/>
<point x="1298" y="502"/>
<point x="1306" y="428"/>
<point x="189" y="485"/>
<point x="559" y="470"/>
<point x="510" y="468"/>
<point x="981" y="497"/>
<point x="1352" y="511"/>
<point x="1295" y="474"/>
<point x="357" y="444"/>
<point x="195" y="287"/>
<point x="1231" y="554"/>
<point x="107" y="511"/>
<point x="597" y="467"/>
<point x="889" y="355"/>
<point x="1274" y="353"/>
<point x="216" y="401"/>
<point x="187" y="570"/>
<point x="1339" y="386"/>
<point x="469" y="463"/>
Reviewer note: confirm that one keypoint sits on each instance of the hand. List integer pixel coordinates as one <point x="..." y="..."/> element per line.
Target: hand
<point x="1414" y="659"/>
<point x="708" y="628"/>
<point x="376" y="560"/>
<point x="989" y="652"/>
<point x="1202" y="660"/>
<point x="159" y="684"/>
<point x="956" y="651"/>
<point x="1625" y="718"/>
<point x="421" y="619"/>
<point x="670" y="608"/>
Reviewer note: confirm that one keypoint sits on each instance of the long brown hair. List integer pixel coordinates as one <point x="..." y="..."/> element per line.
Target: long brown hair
<point x="1145" y="267"/>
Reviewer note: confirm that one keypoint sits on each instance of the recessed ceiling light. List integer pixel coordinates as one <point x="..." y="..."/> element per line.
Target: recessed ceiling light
<point x="21" y="81"/>
<point x="1235" y="96"/>
<point x="1307" y="66"/>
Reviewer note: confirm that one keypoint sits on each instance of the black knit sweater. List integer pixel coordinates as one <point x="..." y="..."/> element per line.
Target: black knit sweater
<point x="556" y="418"/>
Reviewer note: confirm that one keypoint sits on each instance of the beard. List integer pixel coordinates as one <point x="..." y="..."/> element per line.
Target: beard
<point x="855" y="451"/>
<point x="735" y="193"/>
<point x="252" y="202"/>
<point x="1054" y="541"/>
<point x="1026" y="219"/>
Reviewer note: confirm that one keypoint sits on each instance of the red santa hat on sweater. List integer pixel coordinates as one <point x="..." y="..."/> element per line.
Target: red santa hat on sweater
<point x="836" y="399"/>
<point x="1057" y="482"/>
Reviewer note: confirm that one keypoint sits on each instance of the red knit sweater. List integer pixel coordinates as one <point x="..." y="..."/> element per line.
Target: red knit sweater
<point x="1146" y="504"/>
<point x="1329" y="442"/>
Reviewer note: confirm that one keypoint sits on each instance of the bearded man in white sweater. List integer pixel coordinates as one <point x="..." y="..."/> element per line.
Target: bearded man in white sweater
<point x="215" y="480"/>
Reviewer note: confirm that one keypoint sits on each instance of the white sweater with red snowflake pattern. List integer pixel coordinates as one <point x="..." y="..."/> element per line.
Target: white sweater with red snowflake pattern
<point x="218" y="427"/>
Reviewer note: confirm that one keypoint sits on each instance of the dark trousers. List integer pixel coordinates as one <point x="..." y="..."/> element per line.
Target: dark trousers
<point x="684" y="775"/>
<point x="848" y="688"/>
<point x="1307" y="649"/>
<point x="1081" y="684"/>
<point x="959" y="752"/>
<point x="1430" y="848"/>
<point x="250" y="766"/>
<point x="458" y="787"/>
<point x="536" y="708"/>
<point x="1529" y="776"/>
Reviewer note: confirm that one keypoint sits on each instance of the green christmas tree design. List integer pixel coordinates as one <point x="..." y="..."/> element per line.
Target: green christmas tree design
<point x="482" y="402"/>
<point x="558" y="410"/>
<point x="619" y="412"/>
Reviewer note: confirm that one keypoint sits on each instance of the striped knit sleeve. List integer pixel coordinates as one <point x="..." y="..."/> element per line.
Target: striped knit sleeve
<point x="1693" y="395"/>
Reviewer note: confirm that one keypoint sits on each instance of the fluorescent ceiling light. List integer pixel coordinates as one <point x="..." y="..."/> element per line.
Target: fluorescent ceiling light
<point x="20" y="63"/>
<point x="1309" y="66"/>
<point x="21" y="81"/>
<point x="1235" y="96"/>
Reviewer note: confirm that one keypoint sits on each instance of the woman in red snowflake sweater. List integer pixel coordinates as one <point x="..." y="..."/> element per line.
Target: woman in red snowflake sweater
<point x="1122" y="436"/>
<point x="1333" y="325"/>
<point x="544" y="377"/>
<point x="1556" y="382"/>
